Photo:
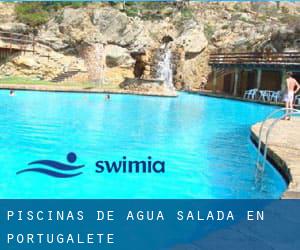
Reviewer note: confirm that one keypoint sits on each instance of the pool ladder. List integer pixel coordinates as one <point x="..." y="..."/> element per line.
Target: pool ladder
<point x="260" y="164"/>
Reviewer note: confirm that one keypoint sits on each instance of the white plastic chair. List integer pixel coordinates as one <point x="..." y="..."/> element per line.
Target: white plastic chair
<point x="275" y="96"/>
<point x="250" y="94"/>
<point x="297" y="99"/>
<point x="263" y="95"/>
<point x="253" y="94"/>
<point x="246" y="94"/>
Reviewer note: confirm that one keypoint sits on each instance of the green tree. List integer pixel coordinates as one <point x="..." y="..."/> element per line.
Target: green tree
<point x="32" y="13"/>
<point x="38" y="13"/>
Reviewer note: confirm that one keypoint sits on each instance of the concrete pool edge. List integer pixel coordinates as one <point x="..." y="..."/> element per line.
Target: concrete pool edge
<point x="74" y="89"/>
<point x="234" y="98"/>
<point x="282" y="157"/>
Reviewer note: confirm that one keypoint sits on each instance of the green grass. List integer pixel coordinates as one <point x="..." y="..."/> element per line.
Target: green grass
<point x="35" y="82"/>
<point x="21" y="80"/>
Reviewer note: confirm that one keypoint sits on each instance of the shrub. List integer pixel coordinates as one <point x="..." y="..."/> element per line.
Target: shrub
<point x="187" y="13"/>
<point x="132" y="12"/>
<point x="284" y="10"/>
<point x="38" y="13"/>
<point x="208" y="31"/>
<point x="32" y="14"/>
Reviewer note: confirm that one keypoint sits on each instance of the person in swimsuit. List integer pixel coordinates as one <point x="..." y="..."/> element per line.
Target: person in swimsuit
<point x="292" y="88"/>
<point x="203" y="83"/>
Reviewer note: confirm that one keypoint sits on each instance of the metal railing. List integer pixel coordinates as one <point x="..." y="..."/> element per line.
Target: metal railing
<point x="255" y="58"/>
<point x="11" y="42"/>
<point x="17" y="41"/>
<point x="260" y="166"/>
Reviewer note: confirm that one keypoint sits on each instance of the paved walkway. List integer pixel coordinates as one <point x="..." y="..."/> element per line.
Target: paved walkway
<point x="284" y="151"/>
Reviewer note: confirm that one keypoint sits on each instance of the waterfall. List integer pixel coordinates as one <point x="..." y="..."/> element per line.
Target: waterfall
<point x="165" y="71"/>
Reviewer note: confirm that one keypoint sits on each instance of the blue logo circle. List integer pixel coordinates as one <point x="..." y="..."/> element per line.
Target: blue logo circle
<point x="71" y="157"/>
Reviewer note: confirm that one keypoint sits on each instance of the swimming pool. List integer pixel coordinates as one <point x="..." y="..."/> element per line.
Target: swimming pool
<point x="204" y="142"/>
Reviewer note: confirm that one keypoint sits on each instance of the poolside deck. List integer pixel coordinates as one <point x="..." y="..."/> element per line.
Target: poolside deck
<point x="284" y="152"/>
<point x="227" y="96"/>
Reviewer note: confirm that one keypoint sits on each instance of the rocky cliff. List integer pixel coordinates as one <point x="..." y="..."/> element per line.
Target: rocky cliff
<point x="130" y="41"/>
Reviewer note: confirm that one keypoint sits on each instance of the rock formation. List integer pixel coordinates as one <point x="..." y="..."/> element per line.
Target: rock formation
<point x="131" y="41"/>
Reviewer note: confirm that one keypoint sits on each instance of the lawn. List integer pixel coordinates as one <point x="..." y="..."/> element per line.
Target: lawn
<point x="21" y="81"/>
<point x="37" y="82"/>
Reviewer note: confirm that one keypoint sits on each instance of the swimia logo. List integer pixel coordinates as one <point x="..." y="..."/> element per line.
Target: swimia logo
<point x="61" y="170"/>
<point x="55" y="168"/>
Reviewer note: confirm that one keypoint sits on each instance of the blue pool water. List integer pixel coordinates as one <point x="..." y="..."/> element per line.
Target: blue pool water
<point x="204" y="142"/>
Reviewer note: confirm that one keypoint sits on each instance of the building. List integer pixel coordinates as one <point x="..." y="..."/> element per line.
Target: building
<point x="234" y="73"/>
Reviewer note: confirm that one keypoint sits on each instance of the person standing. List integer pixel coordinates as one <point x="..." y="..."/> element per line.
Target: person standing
<point x="203" y="83"/>
<point x="292" y="88"/>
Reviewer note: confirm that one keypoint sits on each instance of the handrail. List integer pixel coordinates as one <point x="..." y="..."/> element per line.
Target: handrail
<point x="17" y="41"/>
<point x="279" y="58"/>
<point x="254" y="53"/>
<point x="255" y="57"/>
<point x="292" y="112"/>
<point x="269" y="131"/>
<point x="270" y="59"/>
<point x="13" y="33"/>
